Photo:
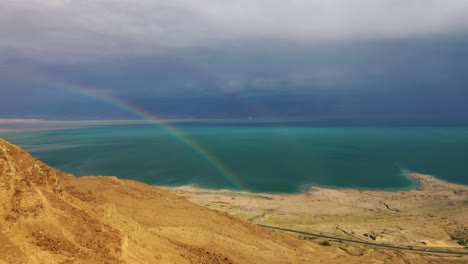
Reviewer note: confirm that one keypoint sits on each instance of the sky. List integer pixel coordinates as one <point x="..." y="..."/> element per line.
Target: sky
<point x="352" y="59"/>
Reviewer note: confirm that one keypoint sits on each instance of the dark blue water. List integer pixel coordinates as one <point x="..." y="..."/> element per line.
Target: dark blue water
<point x="259" y="156"/>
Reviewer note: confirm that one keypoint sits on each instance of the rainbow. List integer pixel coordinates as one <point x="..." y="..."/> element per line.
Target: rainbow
<point x="179" y="135"/>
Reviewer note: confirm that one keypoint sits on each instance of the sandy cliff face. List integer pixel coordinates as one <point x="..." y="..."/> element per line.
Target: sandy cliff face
<point x="42" y="221"/>
<point x="48" y="216"/>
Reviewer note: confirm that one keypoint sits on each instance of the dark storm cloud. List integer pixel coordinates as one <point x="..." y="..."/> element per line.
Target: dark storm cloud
<point x="423" y="78"/>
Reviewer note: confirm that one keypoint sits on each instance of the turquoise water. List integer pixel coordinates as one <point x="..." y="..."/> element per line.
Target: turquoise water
<point x="256" y="156"/>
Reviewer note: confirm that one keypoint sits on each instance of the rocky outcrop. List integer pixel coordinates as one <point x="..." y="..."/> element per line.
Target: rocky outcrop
<point x="39" y="216"/>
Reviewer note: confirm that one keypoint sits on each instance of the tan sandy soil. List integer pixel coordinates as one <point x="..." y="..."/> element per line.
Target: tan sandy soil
<point x="47" y="216"/>
<point x="424" y="217"/>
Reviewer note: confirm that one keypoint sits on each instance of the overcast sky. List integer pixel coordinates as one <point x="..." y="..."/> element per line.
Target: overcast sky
<point x="220" y="58"/>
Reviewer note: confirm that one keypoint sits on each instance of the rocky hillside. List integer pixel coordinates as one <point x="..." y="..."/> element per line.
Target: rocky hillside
<point x="48" y="216"/>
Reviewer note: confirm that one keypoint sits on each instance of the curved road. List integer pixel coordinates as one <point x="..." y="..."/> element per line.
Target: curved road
<point x="409" y="248"/>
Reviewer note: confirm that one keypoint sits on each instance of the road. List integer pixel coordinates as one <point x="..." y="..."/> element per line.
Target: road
<point x="408" y="248"/>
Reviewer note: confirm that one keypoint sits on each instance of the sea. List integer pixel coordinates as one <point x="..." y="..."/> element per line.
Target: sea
<point x="276" y="156"/>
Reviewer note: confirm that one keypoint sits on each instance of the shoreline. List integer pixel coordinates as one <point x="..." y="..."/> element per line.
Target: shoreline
<point x="419" y="181"/>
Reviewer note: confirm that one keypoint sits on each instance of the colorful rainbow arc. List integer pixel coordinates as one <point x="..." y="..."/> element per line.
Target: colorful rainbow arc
<point x="174" y="132"/>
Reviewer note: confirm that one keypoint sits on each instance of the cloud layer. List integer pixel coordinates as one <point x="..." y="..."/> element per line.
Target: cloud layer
<point x="70" y="30"/>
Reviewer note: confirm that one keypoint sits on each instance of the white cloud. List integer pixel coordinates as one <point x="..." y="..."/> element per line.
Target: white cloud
<point x="64" y="29"/>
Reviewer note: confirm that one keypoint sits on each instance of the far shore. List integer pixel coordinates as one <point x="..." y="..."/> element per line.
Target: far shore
<point x="12" y="125"/>
<point x="31" y="125"/>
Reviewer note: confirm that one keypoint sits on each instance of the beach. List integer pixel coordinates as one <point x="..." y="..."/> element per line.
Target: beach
<point x="431" y="215"/>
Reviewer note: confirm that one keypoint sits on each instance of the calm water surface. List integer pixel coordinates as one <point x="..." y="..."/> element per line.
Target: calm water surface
<point x="258" y="156"/>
